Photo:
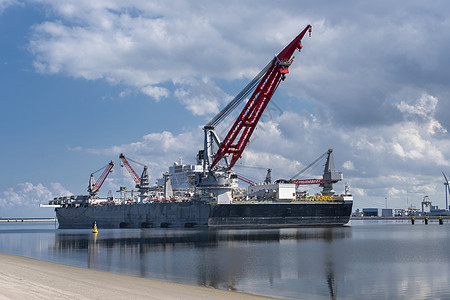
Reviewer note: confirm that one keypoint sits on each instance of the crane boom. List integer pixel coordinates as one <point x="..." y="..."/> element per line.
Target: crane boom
<point x="306" y="181"/>
<point x="242" y="129"/>
<point x="245" y="179"/>
<point x="98" y="184"/>
<point x="130" y="169"/>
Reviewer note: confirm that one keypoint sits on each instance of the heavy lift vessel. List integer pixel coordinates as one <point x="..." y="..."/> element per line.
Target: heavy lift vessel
<point x="213" y="203"/>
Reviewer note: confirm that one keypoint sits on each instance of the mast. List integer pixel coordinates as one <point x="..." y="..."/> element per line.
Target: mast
<point x="330" y="175"/>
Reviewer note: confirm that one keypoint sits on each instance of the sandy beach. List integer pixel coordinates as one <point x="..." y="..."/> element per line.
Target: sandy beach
<point x="27" y="278"/>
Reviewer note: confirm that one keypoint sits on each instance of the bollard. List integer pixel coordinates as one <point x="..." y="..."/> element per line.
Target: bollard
<point x="412" y="220"/>
<point x="441" y="221"/>
<point x="426" y="220"/>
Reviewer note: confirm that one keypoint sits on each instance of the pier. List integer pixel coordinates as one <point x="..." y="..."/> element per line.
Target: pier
<point x="27" y="219"/>
<point x="401" y="218"/>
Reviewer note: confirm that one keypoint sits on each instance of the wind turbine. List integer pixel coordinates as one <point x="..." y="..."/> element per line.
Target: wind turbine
<point x="447" y="189"/>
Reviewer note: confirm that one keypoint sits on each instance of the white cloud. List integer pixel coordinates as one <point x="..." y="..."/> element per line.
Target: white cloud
<point x="348" y="165"/>
<point x="137" y="44"/>
<point x="30" y="195"/>
<point x="155" y="92"/>
<point x="425" y="108"/>
<point x="202" y="98"/>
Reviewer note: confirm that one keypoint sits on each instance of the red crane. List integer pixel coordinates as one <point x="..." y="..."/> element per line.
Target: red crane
<point x="245" y="179"/>
<point x="130" y="169"/>
<point x="306" y="181"/>
<point x="242" y="129"/>
<point x="94" y="186"/>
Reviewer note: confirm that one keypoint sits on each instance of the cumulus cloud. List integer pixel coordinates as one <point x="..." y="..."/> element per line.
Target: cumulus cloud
<point x="425" y="109"/>
<point x="137" y="44"/>
<point x="202" y="98"/>
<point x="155" y="92"/>
<point x="348" y="165"/>
<point x="30" y="195"/>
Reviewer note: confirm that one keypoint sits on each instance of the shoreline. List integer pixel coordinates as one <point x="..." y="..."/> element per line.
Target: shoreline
<point x="27" y="278"/>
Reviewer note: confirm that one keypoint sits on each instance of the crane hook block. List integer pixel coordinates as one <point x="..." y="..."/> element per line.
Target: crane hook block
<point x="309" y="31"/>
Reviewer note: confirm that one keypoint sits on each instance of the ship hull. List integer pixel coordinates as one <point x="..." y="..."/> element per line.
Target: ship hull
<point x="198" y="214"/>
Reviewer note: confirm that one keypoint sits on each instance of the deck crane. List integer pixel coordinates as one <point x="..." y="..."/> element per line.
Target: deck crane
<point x="263" y="86"/>
<point x="308" y="181"/>
<point x="330" y="174"/>
<point x="94" y="186"/>
<point x="143" y="182"/>
<point x="218" y="180"/>
<point x="130" y="169"/>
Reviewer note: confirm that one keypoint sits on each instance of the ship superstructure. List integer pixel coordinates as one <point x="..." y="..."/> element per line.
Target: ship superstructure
<point x="182" y="177"/>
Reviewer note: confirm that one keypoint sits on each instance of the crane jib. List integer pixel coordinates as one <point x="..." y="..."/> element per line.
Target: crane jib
<point x="102" y="178"/>
<point x="242" y="129"/>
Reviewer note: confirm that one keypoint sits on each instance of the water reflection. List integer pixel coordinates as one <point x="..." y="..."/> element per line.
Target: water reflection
<point x="218" y="258"/>
<point x="369" y="260"/>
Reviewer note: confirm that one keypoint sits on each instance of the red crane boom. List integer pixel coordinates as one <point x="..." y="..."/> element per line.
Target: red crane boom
<point x="130" y="169"/>
<point x="245" y="179"/>
<point x="101" y="179"/>
<point x="242" y="129"/>
<point x="306" y="181"/>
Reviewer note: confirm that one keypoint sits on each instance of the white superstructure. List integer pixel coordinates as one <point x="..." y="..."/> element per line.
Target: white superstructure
<point x="182" y="176"/>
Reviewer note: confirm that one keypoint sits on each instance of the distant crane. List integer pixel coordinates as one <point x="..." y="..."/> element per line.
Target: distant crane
<point x="94" y="186"/>
<point x="143" y="182"/>
<point x="425" y="203"/>
<point x="268" y="179"/>
<point x="447" y="191"/>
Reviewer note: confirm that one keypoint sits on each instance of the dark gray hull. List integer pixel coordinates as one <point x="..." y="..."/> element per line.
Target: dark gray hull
<point x="189" y="214"/>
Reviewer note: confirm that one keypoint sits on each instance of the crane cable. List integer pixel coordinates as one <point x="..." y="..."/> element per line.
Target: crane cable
<point x="309" y="166"/>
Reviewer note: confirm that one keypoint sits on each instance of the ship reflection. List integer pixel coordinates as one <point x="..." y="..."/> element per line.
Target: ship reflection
<point x="219" y="258"/>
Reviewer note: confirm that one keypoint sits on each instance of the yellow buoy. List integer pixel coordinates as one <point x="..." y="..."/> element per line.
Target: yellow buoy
<point x="95" y="228"/>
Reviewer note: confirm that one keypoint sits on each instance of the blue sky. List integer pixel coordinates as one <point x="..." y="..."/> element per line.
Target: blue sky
<point x="83" y="81"/>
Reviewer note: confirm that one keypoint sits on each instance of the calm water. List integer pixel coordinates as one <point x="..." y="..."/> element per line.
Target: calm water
<point x="367" y="260"/>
